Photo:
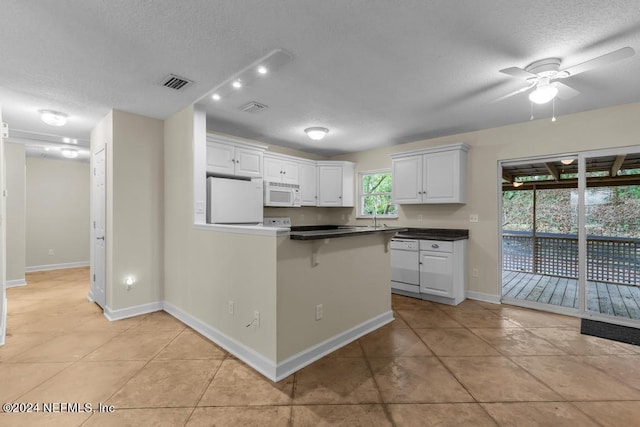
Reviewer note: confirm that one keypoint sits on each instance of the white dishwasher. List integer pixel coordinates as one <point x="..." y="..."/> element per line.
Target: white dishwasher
<point x="405" y="265"/>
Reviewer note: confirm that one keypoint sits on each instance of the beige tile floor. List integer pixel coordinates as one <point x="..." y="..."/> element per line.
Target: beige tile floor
<point x="476" y="364"/>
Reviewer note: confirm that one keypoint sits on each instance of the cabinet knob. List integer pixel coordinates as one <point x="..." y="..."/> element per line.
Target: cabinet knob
<point x="339" y="197"/>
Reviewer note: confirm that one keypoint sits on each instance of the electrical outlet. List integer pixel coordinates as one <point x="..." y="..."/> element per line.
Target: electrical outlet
<point x="473" y="218"/>
<point x="420" y="217"/>
<point x="230" y="307"/>
<point x="50" y="251"/>
<point x="319" y="311"/>
<point x="475" y="273"/>
<point x="256" y="319"/>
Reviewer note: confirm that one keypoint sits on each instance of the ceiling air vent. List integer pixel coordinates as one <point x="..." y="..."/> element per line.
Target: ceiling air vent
<point x="176" y="82"/>
<point x="253" y="107"/>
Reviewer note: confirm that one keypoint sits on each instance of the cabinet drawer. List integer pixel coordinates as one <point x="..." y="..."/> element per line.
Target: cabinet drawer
<point x="436" y="246"/>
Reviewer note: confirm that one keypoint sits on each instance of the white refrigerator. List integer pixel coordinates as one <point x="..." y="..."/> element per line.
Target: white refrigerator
<point x="234" y="201"/>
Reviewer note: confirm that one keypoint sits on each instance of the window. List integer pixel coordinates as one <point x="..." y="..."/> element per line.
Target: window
<point x="374" y="191"/>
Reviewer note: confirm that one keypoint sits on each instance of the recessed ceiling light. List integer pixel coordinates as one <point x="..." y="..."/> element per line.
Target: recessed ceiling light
<point x="236" y="84"/>
<point x="262" y="69"/>
<point x="69" y="153"/>
<point x="215" y="97"/>
<point x="316" y="133"/>
<point x="53" y="118"/>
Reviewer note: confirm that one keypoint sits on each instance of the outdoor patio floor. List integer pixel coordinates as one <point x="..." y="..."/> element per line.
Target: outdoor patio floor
<point x="606" y="298"/>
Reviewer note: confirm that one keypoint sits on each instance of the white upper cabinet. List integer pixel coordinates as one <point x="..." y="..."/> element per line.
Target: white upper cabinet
<point x="336" y="183"/>
<point x="434" y="175"/>
<point x="226" y="157"/>
<point x="278" y="169"/>
<point x="308" y="183"/>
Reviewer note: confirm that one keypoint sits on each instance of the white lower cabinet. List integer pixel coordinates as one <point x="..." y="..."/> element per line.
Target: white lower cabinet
<point x="443" y="271"/>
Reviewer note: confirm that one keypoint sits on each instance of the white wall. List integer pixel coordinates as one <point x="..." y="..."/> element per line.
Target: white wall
<point x="57" y="212"/>
<point x="16" y="192"/>
<point x="605" y="128"/>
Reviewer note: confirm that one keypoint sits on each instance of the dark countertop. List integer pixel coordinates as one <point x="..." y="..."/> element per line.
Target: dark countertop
<point x="444" y="234"/>
<point x="315" y="232"/>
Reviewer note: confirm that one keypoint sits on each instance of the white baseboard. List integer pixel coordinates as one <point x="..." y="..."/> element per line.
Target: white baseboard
<point x="137" y="310"/>
<point x="310" y="355"/>
<point x="252" y="358"/>
<point x="268" y="368"/>
<point x="16" y="282"/>
<point x="56" y="266"/>
<point x="3" y="322"/>
<point x="481" y="296"/>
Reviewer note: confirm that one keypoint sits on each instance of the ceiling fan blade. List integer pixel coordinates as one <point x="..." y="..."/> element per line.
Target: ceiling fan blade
<point x="518" y="72"/>
<point x="607" y="58"/>
<point x="509" y="95"/>
<point x="565" y="91"/>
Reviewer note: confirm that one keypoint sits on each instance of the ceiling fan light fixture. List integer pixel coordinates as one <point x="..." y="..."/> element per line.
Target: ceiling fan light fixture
<point x="566" y="162"/>
<point x="53" y="118"/>
<point x="517" y="184"/>
<point x="543" y="94"/>
<point x="316" y="133"/>
<point x="69" y="153"/>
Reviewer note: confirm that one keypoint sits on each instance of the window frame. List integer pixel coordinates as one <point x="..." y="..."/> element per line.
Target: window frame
<point x="361" y="194"/>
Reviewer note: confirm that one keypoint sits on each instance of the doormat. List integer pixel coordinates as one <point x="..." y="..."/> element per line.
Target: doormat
<point x="610" y="331"/>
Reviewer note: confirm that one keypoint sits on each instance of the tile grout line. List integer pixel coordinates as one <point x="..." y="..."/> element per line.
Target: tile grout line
<point x="226" y="356"/>
<point x="384" y="404"/>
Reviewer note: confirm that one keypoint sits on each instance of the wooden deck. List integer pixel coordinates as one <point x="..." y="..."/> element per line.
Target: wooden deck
<point x="607" y="298"/>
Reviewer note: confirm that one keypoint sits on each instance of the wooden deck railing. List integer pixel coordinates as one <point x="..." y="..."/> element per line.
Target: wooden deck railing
<point x="609" y="259"/>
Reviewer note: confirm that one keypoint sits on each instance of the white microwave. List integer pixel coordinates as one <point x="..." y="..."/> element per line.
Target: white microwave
<point x="281" y="194"/>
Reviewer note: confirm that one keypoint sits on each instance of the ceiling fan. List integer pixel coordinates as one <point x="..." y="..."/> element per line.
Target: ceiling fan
<point x="542" y="75"/>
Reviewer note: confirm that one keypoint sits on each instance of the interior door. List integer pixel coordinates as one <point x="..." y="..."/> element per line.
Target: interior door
<point x="99" y="244"/>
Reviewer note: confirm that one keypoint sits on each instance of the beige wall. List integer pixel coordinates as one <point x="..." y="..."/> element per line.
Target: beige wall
<point x="135" y="210"/>
<point x="605" y="128"/>
<point x="57" y="212"/>
<point x="351" y="281"/>
<point x="16" y="192"/>
<point x="204" y="269"/>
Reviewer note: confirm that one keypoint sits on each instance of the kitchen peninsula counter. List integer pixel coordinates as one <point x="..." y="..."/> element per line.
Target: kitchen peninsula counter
<point x="316" y="232"/>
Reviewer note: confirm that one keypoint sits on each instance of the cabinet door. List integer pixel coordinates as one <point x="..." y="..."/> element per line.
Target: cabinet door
<point x="441" y="172"/>
<point x="436" y="273"/>
<point x="329" y="185"/>
<point x="272" y="169"/>
<point x="248" y="162"/>
<point x="407" y="180"/>
<point x="220" y="158"/>
<point x="308" y="184"/>
<point x="290" y="172"/>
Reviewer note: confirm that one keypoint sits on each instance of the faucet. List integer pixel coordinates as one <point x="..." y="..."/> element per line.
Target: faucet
<point x="375" y="217"/>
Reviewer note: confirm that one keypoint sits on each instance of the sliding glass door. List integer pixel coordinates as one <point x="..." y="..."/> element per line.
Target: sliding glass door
<point x="612" y="235"/>
<point x="571" y="234"/>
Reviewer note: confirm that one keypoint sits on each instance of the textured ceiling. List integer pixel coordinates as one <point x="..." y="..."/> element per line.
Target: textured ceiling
<point x="375" y="72"/>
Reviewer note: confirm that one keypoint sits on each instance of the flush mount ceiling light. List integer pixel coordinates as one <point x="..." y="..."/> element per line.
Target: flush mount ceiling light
<point x="70" y="153"/>
<point x="316" y="133"/>
<point x="566" y="161"/>
<point x="253" y="73"/>
<point x="543" y="94"/>
<point x="53" y="118"/>
<point x="517" y="184"/>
